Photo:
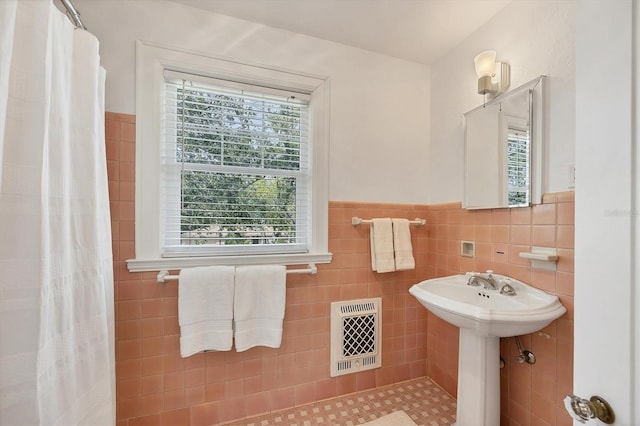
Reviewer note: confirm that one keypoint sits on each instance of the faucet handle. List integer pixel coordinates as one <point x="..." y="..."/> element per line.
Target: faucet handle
<point x="507" y="289"/>
<point x="491" y="278"/>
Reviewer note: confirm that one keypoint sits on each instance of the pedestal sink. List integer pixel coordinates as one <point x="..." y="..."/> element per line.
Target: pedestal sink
<point x="484" y="316"/>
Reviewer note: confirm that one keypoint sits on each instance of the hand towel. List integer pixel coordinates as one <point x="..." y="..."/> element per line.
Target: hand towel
<point x="258" y="306"/>
<point x="205" y="309"/>
<point x="381" y="237"/>
<point x="402" y="245"/>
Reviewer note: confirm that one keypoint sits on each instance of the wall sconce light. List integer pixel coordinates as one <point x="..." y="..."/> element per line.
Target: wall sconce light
<point x="493" y="77"/>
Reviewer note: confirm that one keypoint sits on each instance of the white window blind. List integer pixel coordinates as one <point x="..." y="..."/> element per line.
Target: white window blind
<point x="235" y="176"/>
<point x="518" y="153"/>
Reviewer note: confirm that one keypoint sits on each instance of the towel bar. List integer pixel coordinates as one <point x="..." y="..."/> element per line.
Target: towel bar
<point x="357" y="221"/>
<point x="163" y="276"/>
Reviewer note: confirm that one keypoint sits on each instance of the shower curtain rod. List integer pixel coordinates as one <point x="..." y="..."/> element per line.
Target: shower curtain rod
<point x="73" y="14"/>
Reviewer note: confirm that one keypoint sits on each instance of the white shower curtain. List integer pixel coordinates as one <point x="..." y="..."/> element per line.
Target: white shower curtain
<point x="56" y="276"/>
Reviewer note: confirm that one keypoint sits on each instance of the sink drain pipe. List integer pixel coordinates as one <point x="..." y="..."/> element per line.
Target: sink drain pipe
<point x="525" y="356"/>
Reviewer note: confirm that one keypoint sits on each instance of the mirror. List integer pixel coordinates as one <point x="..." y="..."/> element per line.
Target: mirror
<point x="503" y="149"/>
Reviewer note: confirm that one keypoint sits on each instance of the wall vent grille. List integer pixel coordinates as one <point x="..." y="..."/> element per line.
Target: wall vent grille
<point x="356" y="336"/>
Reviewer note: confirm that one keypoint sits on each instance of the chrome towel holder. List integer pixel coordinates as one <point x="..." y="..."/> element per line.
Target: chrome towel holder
<point x="355" y="221"/>
<point x="163" y="276"/>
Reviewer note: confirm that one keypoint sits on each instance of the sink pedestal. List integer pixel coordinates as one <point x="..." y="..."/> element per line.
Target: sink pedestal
<point x="478" y="380"/>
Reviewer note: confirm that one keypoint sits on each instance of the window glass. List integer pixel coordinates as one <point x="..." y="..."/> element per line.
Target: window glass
<point x="235" y="169"/>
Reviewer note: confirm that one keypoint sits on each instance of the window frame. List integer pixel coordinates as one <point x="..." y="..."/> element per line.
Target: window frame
<point x="151" y="62"/>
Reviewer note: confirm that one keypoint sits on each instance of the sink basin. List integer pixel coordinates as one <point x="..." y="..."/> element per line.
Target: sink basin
<point x="484" y="316"/>
<point x="488" y="312"/>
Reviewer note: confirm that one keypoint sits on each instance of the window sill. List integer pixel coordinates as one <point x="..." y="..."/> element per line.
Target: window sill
<point x="172" y="264"/>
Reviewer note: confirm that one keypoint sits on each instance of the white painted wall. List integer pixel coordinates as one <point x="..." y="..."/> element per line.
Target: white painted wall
<point x="379" y="105"/>
<point x="534" y="37"/>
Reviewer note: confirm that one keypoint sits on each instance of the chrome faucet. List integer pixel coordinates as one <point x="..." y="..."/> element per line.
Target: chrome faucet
<point x="488" y="282"/>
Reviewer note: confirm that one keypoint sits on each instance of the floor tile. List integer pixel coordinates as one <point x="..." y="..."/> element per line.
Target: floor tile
<point x="424" y="401"/>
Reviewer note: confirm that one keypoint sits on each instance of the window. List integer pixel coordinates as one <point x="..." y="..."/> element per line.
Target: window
<point x="235" y="168"/>
<point x="231" y="163"/>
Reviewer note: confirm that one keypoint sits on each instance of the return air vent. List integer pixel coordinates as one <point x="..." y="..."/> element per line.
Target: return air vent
<point x="356" y="336"/>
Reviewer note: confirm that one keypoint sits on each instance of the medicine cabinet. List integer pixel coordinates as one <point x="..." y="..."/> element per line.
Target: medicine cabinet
<point x="504" y="149"/>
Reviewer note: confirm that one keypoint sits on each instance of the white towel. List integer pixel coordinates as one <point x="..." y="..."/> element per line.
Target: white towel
<point x="381" y="236"/>
<point x="258" y="306"/>
<point x="402" y="245"/>
<point x="205" y="309"/>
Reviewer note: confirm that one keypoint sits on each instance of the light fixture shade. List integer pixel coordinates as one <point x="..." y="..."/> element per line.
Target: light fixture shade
<point x="485" y="63"/>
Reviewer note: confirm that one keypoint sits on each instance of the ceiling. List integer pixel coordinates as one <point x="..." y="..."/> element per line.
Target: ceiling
<point x="416" y="30"/>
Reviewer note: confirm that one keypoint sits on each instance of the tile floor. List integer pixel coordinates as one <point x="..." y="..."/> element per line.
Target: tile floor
<point x="424" y="401"/>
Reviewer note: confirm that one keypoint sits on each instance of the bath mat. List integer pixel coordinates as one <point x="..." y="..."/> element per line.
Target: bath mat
<point x="397" y="418"/>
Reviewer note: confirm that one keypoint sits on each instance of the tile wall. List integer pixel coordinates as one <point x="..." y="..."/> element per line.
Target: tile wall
<point x="531" y="394"/>
<point x="156" y="386"/>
